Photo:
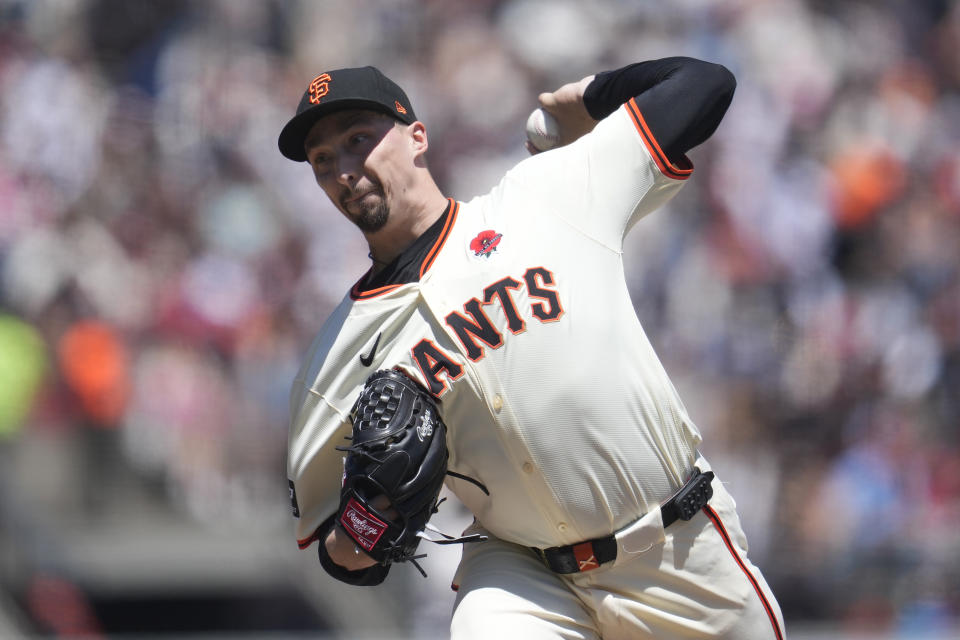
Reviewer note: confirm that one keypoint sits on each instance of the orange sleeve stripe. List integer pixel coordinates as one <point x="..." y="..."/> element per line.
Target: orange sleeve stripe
<point x="666" y="167"/>
<point x="306" y="542"/>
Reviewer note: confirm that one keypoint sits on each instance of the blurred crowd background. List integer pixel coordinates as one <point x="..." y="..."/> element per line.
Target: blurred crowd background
<point x="162" y="269"/>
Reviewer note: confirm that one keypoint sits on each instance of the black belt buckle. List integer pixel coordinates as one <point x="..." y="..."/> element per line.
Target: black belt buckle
<point x="694" y="495"/>
<point x="577" y="558"/>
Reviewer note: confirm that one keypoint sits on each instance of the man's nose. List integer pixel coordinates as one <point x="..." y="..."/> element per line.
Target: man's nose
<point x="348" y="170"/>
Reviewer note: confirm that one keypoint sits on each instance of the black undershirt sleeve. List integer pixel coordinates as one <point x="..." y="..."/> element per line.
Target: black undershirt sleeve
<point x="682" y="99"/>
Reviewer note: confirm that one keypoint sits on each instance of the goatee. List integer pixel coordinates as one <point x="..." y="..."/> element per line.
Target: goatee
<point x="373" y="218"/>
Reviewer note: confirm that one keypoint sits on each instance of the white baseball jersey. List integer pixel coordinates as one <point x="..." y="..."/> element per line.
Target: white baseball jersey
<point x="523" y="327"/>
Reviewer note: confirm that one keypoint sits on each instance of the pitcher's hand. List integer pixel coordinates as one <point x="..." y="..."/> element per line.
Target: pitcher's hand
<point x="344" y="551"/>
<point x="566" y="105"/>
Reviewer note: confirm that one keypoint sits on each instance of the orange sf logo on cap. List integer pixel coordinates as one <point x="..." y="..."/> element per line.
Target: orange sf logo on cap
<point x="399" y="107"/>
<point x="319" y="87"/>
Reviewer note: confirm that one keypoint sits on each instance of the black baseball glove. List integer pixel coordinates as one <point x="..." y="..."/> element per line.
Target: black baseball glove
<point x="398" y="450"/>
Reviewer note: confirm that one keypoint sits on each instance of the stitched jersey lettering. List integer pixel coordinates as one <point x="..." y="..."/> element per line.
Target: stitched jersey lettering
<point x="541" y="312"/>
<point x="480" y="327"/>
<point x="501" y="291"/>
<point x="433" y="362"/>
<point x="473" y="328"/>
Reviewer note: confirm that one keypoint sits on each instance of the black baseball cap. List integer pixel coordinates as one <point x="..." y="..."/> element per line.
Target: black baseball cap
<point x="352" y="88"/>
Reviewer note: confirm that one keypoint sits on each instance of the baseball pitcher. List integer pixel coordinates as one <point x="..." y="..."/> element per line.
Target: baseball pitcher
<point x="493" y="347"/>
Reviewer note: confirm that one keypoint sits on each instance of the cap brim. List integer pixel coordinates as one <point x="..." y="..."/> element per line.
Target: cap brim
<point x="294" y="134"/>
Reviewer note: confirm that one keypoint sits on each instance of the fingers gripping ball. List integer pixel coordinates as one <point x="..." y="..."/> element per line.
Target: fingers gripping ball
<point x="399" y="451"/>
<point x="543" y="130"/>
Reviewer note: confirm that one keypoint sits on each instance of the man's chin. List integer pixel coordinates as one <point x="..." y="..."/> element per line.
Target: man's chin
<point x="372" y="219"/>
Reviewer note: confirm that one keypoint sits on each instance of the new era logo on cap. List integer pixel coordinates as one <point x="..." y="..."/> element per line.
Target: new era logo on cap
<point x="352" y="88"/>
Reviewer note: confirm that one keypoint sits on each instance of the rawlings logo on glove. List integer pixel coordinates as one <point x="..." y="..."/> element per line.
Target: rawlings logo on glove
<point x="425" y="429"/>
<point x="364" y="528"/>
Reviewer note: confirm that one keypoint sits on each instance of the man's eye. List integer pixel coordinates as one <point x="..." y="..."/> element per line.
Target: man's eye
<point x="359" y="138"/>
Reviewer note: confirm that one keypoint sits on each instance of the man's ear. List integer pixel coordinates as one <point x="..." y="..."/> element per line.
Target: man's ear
<point x="418" y="138"/>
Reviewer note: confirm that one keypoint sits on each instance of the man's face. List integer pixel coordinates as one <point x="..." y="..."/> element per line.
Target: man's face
<point x="361" y="160"/>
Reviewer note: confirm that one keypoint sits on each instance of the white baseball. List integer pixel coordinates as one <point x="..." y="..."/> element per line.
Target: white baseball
<point x="543" y="130"/>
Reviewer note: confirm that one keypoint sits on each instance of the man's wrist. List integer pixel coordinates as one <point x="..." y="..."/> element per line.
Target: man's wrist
<point x="345" y="552"/>
<point x="372" y="574"/>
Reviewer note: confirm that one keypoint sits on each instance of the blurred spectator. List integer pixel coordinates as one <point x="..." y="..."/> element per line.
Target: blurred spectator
<point x="23" y="363"/>
<point x="93" y="361"/>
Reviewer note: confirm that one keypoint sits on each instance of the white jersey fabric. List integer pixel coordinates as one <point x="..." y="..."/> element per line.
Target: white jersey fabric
<point x="523" y="327"/>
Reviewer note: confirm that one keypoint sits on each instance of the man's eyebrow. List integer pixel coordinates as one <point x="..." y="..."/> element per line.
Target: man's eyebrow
<point x="359" y="117"/>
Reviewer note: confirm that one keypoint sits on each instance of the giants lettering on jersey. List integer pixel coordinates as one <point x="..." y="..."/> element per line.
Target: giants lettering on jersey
<point x="474" y="329"/>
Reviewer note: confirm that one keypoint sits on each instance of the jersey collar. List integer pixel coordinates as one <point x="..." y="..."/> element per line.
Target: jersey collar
<point x="413" y="262"/>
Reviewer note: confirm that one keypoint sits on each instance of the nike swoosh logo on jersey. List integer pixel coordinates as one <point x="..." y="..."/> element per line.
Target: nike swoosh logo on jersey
<point x="367" y="360"/>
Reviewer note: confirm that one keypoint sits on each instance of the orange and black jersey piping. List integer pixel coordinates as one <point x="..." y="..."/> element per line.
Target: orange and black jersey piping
<point x="675" y="102"/>
<point x="413" y="262"/>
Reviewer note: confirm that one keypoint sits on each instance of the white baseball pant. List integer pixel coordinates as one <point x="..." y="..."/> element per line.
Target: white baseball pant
<point x="693" y="580"/>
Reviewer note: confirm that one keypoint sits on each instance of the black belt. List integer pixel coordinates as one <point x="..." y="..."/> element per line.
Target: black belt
<point x="590" y="554"/>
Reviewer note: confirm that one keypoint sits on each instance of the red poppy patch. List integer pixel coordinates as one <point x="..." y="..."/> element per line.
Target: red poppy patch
<point x="485" y="243"/>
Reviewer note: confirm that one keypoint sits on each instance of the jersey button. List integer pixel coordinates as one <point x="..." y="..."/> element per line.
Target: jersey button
<point x="527" y="467"/>
<point x="497" y="403"/>
<point x="562" y="527"/>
